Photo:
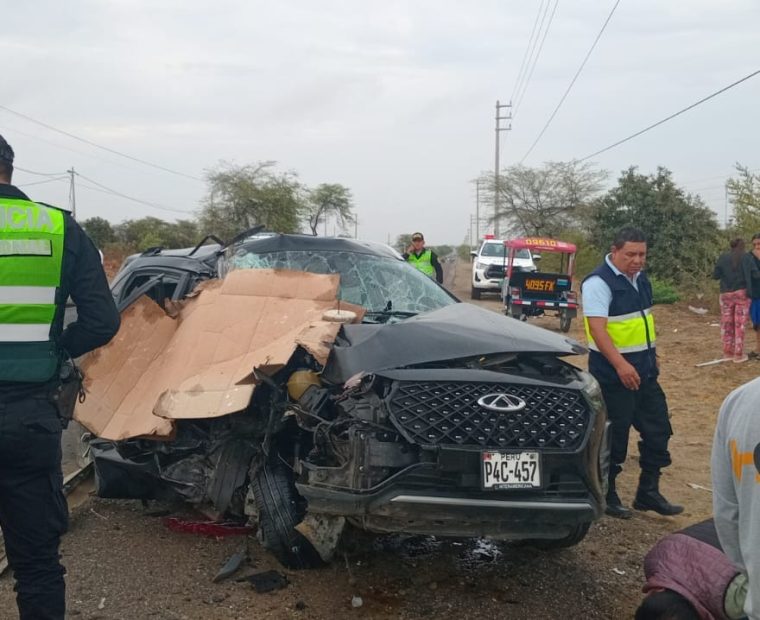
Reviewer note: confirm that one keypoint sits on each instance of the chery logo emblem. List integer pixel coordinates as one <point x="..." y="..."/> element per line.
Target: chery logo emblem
<point x="501" y="402"/>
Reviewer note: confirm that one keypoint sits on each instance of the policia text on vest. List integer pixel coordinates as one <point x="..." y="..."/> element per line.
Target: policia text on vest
<point x="32" y="237"/>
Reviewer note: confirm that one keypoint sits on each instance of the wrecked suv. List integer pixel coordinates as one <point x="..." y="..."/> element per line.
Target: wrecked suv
<point x="429" y="416"/>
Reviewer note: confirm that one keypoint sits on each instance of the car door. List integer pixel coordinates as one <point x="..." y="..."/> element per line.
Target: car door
<point x="157" y="283"/>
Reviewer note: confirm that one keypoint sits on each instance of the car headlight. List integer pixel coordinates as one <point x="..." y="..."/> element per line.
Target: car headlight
<point x="480" y="265"/>
<point x="593" y="392"/>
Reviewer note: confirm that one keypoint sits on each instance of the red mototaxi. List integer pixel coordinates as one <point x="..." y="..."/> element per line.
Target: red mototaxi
<point x="534" y="293"/>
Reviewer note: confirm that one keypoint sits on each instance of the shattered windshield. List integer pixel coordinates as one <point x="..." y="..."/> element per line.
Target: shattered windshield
<point x="384" y="286"/>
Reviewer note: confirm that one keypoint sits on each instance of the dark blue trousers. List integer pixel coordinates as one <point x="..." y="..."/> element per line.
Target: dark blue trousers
<point x="33" y="510"/>
<point x="646" y="410"/>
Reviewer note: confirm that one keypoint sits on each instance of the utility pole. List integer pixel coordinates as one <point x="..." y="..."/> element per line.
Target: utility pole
<point x="725" y="219"/>
<point x="72" y="194"/>
<point x="477" y="210"/>
<point x="499" y="129"/>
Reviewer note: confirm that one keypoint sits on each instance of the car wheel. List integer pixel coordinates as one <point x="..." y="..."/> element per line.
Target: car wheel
<point x="564" y="321"/>
<point x="280" y="510"/>
<point x="475" y="293"/>
<point x="576" y="535"/>
<point x="517" y="313"/>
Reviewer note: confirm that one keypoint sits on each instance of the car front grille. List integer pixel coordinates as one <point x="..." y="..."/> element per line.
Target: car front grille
<point x="447" y="413"/>
<point x="494" y="272"/>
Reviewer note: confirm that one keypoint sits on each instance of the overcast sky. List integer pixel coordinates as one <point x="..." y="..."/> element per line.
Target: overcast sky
<point x="393" y="99"/>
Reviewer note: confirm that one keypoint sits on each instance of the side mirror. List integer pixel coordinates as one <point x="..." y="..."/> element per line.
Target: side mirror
<point x="536" y="257"/>
<point x="473" y="253"/>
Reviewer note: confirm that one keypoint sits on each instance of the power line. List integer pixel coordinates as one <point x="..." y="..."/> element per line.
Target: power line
<point x="62" y="178"/>
<point x="39" y="174"/>
<point x="535" y="60"/>
<point x="672" y="116"/>
<point x="110" y="161"/>
<point x="528" y="49"/>
<point x="103" y="188"/>
<point x="572" y="82"/>
<point x="96" y="145"/>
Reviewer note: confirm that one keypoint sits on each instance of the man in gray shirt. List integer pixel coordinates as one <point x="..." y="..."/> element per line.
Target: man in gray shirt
<point x="736" y="485"/>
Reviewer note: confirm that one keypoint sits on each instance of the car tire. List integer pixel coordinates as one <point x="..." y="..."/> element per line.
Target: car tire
<point x="564" y="321"/>
<point x="474" y="293"/>
<point x="576" y="535"/>
<point x="280" y="510"/>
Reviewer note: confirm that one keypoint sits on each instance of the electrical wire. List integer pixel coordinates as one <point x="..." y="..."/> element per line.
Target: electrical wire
<point x="60" y="178"/>
<point x="109" y="160"/>
<point x="108" y="190"/>
<point x="672" y="116"/>
<point x="39" y="174"/>
<point x="99" y="146"/>
<point x="572" y="82"/>
<point x="535" y="60"/>
<point x="528" y="51"/>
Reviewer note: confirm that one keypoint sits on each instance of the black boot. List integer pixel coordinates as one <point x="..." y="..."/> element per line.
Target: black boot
<point x="648" y="496"/>
<point x="615" y="507"/>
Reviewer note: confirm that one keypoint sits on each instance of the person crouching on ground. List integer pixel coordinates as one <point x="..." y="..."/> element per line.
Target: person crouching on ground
<point x="688" y="577"/>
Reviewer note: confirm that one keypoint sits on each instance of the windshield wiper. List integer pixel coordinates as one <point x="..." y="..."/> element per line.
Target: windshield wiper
<point x="383" y="315"/>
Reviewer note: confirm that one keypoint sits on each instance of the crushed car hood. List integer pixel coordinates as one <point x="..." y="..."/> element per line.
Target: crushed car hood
<point x="199" y="364"/>
<point x="453" y="332"/>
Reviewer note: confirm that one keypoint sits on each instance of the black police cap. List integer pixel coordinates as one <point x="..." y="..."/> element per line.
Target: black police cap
<point x="6" y="152"/>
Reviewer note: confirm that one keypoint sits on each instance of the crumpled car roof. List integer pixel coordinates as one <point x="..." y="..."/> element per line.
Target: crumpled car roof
<point x="282" y="243"/>
<point x="453" y="332"/>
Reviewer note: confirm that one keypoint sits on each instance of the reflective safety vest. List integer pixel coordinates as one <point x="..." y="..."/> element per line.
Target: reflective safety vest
<point x="31" y="258"/>
<point x="630" y="325"/>
<point x="423" y="262"/>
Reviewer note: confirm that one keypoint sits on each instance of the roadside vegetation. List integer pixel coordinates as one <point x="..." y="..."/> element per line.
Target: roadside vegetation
<point x="566" y="200"/>
<point x="237" y="198"/>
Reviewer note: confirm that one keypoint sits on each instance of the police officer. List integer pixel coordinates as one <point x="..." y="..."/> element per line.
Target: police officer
<point x="617" y="308"/>
<point x="423" y="259"/>
<point x="45" y="257"/>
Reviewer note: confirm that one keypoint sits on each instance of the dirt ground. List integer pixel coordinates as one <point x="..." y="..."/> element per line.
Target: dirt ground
<point x="124" y="563"/>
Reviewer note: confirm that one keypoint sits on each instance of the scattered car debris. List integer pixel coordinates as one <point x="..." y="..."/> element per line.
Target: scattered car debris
<point x="617" y="571"/>
<point x="212" y="529"/>
<point x="268" y="581"/>
<point x="694" y="485"/>
<point x="713" y="362"/>
<point x="356" y="602"/>
<point x="230" y="567"/>
<point x="698" y="310"/>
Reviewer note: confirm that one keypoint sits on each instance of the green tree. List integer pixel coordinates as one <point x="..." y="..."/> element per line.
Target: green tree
<point x="180" y="234"/>
<point x="544" y="201"/>
<point x="241" y="197"/>
<point x="403" y="242"/>
<point x="99" y="230"/>
<point x="329" y="199"/>
<point x="443" y="250"/>
<point x="744" y="193"/>
<point x="683" y="233"/>
<point x="463" y="252"/>
<point x="140" y="234"/>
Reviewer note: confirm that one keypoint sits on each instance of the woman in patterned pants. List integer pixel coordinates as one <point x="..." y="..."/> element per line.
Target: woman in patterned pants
<point x="734" y="301"/>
